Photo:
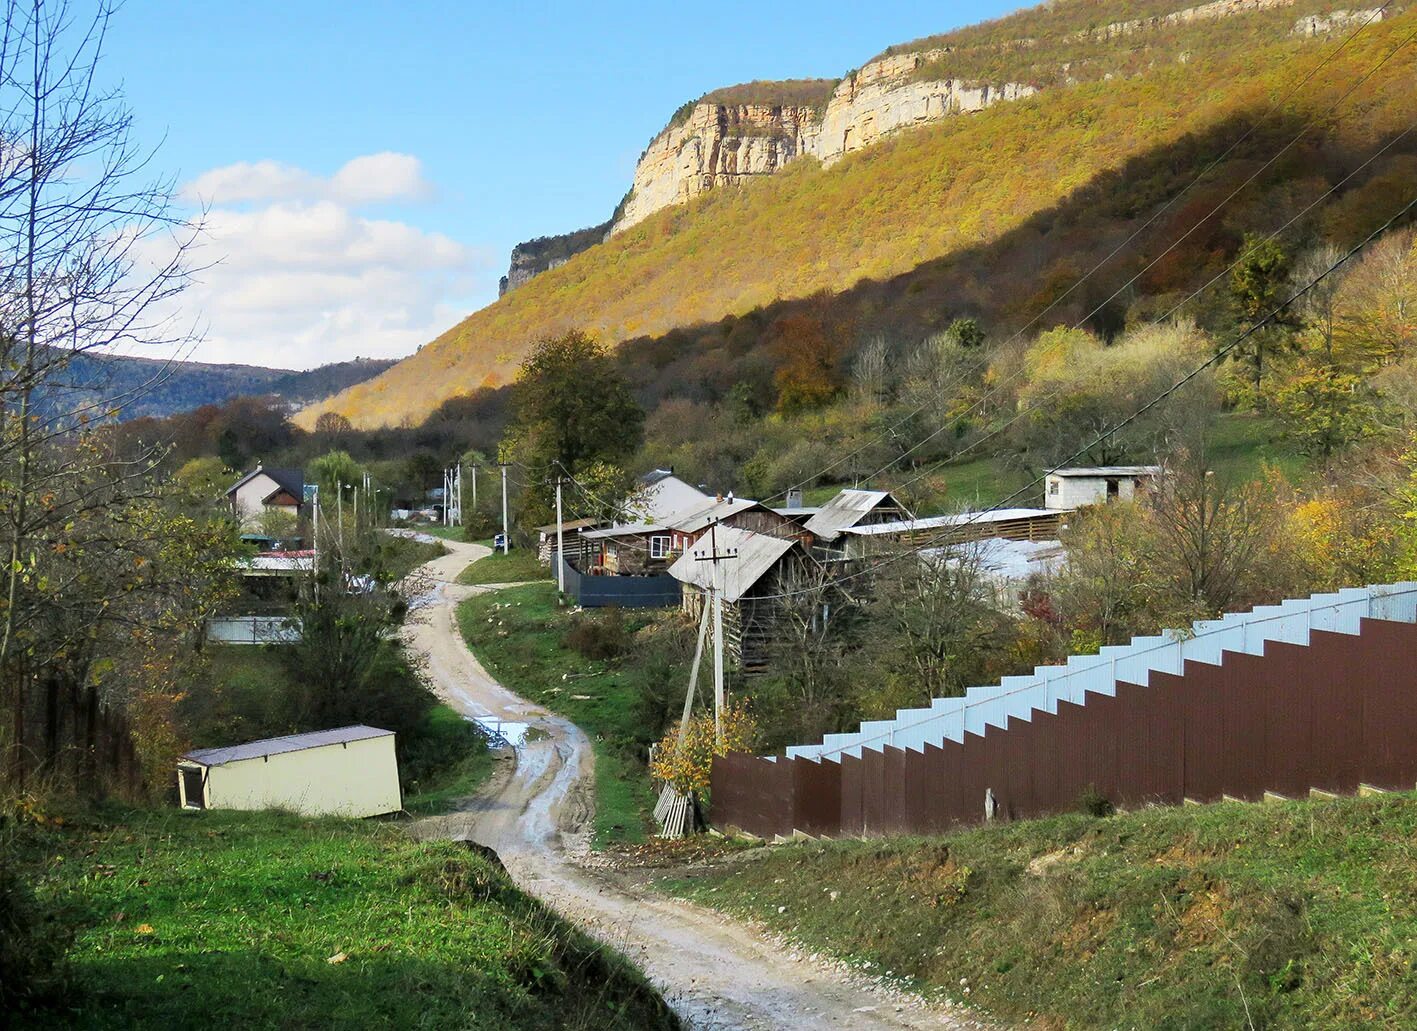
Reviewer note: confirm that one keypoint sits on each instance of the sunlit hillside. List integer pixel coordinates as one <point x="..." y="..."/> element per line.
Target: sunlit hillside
<point x="950" y="189"/>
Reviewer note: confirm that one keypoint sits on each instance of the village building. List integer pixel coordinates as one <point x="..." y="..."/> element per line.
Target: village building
<point x="1010" y="524"/>
<point x="1008" y="566"/>
<point x="662" y="494"/>
<point x="349" y="771"/>
<point x="761" y="568"/>
<point x="687" y="527"/>
<point x="851" y="508"/>
<point x="1095" y="485"/>
<point x="570" y="530"/>
<point x="263" y="491"/>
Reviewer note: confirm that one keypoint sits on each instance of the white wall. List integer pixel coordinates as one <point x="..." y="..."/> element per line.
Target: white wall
<point x="1077" y="491"/>
<point x="359" y="778"/>
<point x="248" y="498"/>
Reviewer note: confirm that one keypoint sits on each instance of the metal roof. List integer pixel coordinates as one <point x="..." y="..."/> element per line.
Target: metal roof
<point x="280" y="745"/>
<point x="692" y="520"/>
<point x="1002" y="515"/>
<point x="1109" y="470"/>
<point x="846" y="509"/>
<point x="623" y="530"/>
<point x="572" y="524"/>
<point x="755" y="554"/>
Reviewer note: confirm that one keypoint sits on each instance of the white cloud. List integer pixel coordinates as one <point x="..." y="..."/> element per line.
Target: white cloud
<point x="297" y="276"/>
<point x="369" y="179"/>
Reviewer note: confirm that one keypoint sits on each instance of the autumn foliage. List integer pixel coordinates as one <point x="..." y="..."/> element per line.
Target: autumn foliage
<point x="687" y="762"/>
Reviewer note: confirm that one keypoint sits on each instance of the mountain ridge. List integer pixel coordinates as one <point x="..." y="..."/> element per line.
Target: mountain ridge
<point x="969" y="180"/>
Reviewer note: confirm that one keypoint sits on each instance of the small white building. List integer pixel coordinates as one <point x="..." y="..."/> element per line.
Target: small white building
<point x="265" y="490"/>
<point x="1095" y="485"/>
<point x="349" y="771"/>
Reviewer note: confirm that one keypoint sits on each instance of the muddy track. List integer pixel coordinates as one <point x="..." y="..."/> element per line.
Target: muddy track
<point x="535" y="812"/>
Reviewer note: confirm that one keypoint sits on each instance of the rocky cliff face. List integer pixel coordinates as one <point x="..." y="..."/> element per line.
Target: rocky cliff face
<point x="721" y="144"/>
<point x="724" y="144"/>
<point x="546" y="252"/>
<point x="717" y="145"/>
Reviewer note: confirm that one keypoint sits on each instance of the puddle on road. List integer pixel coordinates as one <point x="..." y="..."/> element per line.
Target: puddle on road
<point x="511" y="731"/>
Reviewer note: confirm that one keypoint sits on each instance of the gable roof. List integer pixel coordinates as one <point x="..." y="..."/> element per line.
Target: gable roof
<point x="290" y="480"/>
<point x="848" y="508"/>
<point x="692" y="520"/>
<point x="663" y="494"/>
<point x="756" y="554"/>
<point x="280" y="745"/>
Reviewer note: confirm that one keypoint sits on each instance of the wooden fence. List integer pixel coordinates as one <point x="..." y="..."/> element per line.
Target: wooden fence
<point x="1333" y="714"/>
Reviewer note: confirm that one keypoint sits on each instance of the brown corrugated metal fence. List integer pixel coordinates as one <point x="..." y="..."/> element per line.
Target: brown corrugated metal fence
<point x="1337" y="713"/>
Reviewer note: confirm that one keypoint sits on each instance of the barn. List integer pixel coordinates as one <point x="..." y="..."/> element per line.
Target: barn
<point x="348" y="771"/>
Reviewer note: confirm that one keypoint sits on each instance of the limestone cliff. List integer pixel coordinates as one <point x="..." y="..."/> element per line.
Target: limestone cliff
<point x="722" y="140"/>
<point x="547" y="252"/>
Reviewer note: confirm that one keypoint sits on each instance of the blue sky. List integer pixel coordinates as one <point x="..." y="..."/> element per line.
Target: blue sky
<point x="472" y="126"/>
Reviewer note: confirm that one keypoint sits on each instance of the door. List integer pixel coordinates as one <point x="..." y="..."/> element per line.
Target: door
<point x="194" y="788"/>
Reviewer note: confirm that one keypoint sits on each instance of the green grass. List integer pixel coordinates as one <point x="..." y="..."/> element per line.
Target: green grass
<point x="446" y="533"/>
<point x="240" y="920"/>
<point x="519" y="565"/>
<point x="517" y="634"/>
<point x="1290" y="915"/>
<point x="1241" y="446"/>
<point x="451" y="779"/>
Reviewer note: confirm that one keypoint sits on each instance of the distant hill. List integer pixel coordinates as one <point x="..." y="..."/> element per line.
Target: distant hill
<point x="993" y="209"/>
<point x="137" y="387"/>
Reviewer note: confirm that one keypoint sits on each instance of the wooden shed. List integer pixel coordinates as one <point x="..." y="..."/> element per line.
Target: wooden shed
<point x="348" y="771"/>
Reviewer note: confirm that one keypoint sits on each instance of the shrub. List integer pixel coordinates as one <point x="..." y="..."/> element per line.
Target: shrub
<point x="599" y="637"/>
<point x="1094" y="803"/>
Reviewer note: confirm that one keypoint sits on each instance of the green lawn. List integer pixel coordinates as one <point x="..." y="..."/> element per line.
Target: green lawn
<point x="1285" y="915"/>
<point x="442" y="758"/>
<point x="447" y="533"/>
<point x="221" y="919"/>
<point x="518" y="566"/>
<point x="517" y="634"/>
<point x="1241" y="446"/>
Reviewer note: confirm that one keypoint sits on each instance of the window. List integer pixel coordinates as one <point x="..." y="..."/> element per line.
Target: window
<point x="1053" y="486"/>
<point x="658" y="547"/>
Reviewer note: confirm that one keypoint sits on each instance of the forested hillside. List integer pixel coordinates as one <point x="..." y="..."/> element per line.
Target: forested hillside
<point x="155" y="387"/>
<point x="992" y="216"/>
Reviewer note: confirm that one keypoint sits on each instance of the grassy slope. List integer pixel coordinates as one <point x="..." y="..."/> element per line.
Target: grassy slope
<point x="926" y="194"/>
<point x="531" y="661"/>
<point x="1241" y="447"/>
<point x="520" y="565"/>
<point x="1300" y="914"/>
<point x="228" y="919"/>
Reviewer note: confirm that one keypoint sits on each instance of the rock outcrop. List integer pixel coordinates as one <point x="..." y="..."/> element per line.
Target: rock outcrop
<point x="717" y="145"/>
<point x="721" y="144"/>
<point x="546" y="252"/>
<point x="1336" y="21"/>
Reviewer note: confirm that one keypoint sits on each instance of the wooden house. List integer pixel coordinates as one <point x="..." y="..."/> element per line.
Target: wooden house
<point x="851" y="508"/>
<point x="760" y="568"/>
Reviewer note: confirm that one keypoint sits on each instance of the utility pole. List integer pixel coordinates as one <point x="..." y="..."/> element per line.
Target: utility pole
<point x="458" y="492"/>
<point x="560" y="543"/>
<point x="506" y="537"/>
<point x="474" y="488"/>
<point x="716" y="557"/>
<point x="339" y="507"/>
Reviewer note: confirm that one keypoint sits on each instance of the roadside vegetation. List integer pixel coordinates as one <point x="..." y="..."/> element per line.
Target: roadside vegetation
<point x="618" y="676"/>
<point x="519" y="565"/>
<point x="271" y="920"/>
<point x="1286" y="915"/>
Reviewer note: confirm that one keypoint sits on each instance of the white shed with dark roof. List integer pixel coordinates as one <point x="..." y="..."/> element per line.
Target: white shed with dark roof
<point x="348" y="771"/>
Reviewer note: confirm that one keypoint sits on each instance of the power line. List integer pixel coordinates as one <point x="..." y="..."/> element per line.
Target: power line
<point x="1158" y="399"/>
<point x="890" y="431"/>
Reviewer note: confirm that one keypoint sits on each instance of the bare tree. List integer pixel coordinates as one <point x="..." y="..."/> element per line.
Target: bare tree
<point x="90" y="250"/>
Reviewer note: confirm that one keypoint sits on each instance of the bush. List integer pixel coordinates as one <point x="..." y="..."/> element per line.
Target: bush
<point x="599" y="637"/>
<point x="1094" y="803"/>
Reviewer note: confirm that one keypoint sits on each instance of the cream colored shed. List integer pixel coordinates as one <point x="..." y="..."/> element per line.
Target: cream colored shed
<point x="349" y="771"/>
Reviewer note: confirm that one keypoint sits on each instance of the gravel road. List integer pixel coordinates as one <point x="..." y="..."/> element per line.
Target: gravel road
<point x="535" y="812"/>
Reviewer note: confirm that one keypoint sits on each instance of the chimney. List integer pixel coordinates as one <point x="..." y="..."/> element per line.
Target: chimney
<point x="794" y="498"/>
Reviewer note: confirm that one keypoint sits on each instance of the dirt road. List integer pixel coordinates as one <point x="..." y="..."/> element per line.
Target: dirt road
<point x="716" y="973"/>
